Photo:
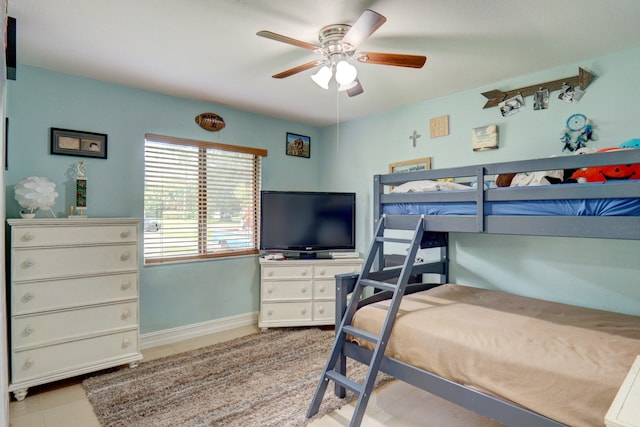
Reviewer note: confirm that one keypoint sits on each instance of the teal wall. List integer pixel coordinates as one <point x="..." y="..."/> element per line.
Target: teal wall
<point x="592" y="272"/>
<point x="171" y="295"/>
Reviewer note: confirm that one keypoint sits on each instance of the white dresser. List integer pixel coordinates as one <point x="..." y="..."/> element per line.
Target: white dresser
<point x="73" y="298"/>
<point x="300" y="292"/>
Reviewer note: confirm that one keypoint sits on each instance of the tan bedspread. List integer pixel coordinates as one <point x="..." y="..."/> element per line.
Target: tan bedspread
<point x="562" y="361"/>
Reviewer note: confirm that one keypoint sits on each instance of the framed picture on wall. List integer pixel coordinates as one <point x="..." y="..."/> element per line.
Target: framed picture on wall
<point x="69" y="142"/>
<point x="298" y="145"/>
<point x="422" y="164"/>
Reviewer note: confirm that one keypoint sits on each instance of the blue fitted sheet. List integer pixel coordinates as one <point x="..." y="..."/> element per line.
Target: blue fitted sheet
<point x="564" y="207"/>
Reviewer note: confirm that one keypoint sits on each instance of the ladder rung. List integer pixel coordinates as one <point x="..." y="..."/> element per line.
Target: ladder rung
<point x="344" y="381"/>
<point x="378" y="285"/>
<point x="360" y="333"/>
<point x="393" y="240"/>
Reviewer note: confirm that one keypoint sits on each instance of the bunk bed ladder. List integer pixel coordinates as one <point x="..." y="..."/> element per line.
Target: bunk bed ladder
<point x="365" y="280"/>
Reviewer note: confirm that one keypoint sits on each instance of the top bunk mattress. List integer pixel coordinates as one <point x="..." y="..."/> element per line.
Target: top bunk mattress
<point x="561" y="361"/>
<point x="559" y="207"/>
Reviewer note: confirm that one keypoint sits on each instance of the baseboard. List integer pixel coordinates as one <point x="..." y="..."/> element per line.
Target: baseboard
<point x="181" y="333"/>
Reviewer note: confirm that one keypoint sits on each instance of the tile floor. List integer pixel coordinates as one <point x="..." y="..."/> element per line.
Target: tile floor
<point x="64" y="403"/>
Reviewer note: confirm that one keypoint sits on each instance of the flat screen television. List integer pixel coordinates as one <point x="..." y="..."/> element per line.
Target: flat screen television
<point x="307" y="222"/>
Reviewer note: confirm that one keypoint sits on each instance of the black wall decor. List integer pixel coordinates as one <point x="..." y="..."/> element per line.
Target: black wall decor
<point x="10" y="53"/>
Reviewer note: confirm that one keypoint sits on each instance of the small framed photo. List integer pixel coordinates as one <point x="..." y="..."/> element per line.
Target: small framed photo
<point x="78" y="143"/>
<point x="298" y="145"/>
<point x="422" y="164"/>
<point x="484" y="138"/>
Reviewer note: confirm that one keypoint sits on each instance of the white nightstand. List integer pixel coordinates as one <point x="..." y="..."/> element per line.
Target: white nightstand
<point x="625" y="409"/>
<point x="300" y="292"/>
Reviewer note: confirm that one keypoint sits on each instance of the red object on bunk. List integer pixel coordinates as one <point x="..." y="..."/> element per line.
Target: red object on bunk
<point x="608" y="173"/>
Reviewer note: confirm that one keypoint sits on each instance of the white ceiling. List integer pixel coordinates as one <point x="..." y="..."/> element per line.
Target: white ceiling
<point x="208" y="50"/>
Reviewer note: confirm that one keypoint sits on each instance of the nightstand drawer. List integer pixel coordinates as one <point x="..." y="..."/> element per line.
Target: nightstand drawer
<point x="74" y="235"/>
<point x="287" y="271"/>
<point x="60" y="358"/>
<point x="30" y="297"/>
<point x="324" y="310"/>
<point x="286" y="290"/>
<point x="52" y="327"/>
<point x="324" y="289"/>
<point x="329" y="271"/>
<point x="33" y="264"/>
<point x="286" y="311"/>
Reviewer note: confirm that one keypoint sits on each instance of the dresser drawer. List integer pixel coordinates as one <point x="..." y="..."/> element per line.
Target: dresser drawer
<point x="287" y="271"/>
<point x="29" y="297"/>
<point x="324" y="311"/>
<point x="72" y="235"/>
<point x="32" y="264"/>
<point x="46" y="328"/>
<point x="286" y="290"/>
<point x="286" y="311"/>
<point x="60" y="358"/>
<point x="324" y="289"/>
<point x="329" y="271"/>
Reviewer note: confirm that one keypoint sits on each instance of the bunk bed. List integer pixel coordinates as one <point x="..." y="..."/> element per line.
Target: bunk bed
<point x="517" y="360"/>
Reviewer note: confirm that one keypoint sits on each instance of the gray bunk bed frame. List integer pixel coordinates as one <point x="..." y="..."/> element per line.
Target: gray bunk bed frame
<point x="614" y="227"/>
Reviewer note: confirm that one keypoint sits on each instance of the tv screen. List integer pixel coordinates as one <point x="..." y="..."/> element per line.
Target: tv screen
<point x="307" y="221"/>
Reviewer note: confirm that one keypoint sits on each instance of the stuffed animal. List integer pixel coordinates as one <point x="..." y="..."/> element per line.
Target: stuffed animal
<point x="632" y="143"/>
<point x="608" y="173"/>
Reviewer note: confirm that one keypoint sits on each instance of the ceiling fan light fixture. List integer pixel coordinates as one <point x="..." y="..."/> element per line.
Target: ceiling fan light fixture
<point x="345" y="73"/>
<point x="342" y="88"/>
<point x="322" y="77"/>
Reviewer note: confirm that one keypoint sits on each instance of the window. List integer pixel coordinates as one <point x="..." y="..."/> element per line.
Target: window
<point x="201" y="199"/>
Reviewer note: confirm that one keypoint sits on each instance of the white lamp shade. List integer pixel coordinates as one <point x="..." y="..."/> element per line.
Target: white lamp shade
<point x="35" y="192"/>
<point x="345" y="73"/>
<point x="322" y="77"/>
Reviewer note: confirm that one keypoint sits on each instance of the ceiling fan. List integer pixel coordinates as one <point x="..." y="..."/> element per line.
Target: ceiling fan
<point x="338" y="45"/>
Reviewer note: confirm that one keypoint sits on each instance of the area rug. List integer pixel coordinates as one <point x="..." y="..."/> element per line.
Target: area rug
<point x="263" y="379"/>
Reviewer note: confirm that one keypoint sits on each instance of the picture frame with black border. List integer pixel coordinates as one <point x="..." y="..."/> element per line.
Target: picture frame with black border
<point x="69" y="142"/>
<point x="298" y="145"/>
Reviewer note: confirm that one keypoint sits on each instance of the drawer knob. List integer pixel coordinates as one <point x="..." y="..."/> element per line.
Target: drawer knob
<point x="303" y="290"/>
<point x="303" y="311"/>
<point x="270" y="273"/>
<point x="29" y="362"/>
<point x="124" y="234"/>
<point x="27" y="297"/>
<point x="321" y="289"/>
<point x="322" y="272"/>
<point x="125" y="285"/>
<point x="28" y="330"/>
<point x="27" y="263"/>
<point x="126" y="342"/>
<point x="304" y="272"/>
<point x="270" y="290"/>
<point x="126" y="313"/>
<point x="27" y="236"/>
<point x="269" y="312"/>
<point x="125" y="256"/>
<point x="321" y="310"/>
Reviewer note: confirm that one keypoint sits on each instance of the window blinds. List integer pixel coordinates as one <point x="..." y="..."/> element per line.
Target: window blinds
<point x="201" y="199"/>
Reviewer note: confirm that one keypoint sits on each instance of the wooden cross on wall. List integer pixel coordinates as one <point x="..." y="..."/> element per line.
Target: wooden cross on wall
<point x="414" y="136"/>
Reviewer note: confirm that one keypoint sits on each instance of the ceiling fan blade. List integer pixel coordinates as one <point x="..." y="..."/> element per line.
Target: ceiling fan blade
<point x="285" y="39"/>
<point x="396" y="59"/>
<point x="296" y="70"/>
<point x="356" y="90"/>
<point x="366" y="25"/>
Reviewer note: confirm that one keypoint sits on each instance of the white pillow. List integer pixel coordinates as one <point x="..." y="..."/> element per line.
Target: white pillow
<point x="427" y="185"/>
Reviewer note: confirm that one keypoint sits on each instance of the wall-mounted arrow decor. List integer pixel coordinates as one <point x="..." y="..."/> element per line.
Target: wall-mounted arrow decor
<point x="496" y="96"/>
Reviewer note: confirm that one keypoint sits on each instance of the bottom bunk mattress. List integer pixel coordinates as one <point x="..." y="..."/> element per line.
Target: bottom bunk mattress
<point x="561" y="361"/>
